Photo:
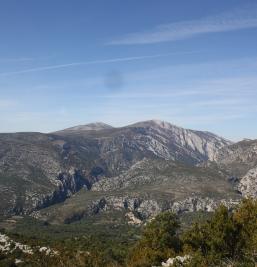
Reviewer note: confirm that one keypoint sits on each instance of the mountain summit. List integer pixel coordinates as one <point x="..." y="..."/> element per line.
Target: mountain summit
<point x="94" y="126"/>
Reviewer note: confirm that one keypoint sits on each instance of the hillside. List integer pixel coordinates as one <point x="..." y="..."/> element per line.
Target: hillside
<point x="146" y="189"/>
<point x="38" y="170"/>
<point x="240" y="160"/>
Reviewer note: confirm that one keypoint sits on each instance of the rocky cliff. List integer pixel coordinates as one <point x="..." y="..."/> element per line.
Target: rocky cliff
<point x="240" y="160"/>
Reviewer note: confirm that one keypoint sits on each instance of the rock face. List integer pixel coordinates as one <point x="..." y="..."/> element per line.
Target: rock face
<point x="172" y="142"/>
<point x="119" y="148"/>
<point x="146" y="189"/>
<point x="193" y="204"/>
<point x="240" y="160"/>
<point x="137" y="207"/>
<point x="33" y="174"/>
<point x="248" y="184"/>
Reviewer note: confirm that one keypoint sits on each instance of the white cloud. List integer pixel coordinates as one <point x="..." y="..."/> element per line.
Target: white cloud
<point x="236" y="19"/>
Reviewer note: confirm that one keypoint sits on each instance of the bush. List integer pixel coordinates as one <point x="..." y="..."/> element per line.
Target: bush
<point x="159" y="241"/>
<point x="227" y="237"/>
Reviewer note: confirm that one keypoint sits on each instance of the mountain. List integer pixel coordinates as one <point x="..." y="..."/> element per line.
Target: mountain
<point x="33" y="172"/>
<point x="147" y="161"/>
<point x="178" y="143"/>
<point x="147" y="188"/>
<point x="238" y="157"/>
<point x="240" y="160"/>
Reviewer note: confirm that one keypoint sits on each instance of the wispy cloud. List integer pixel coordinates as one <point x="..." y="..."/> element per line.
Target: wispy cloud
<point x="93" y="62"/>
<point x="236" y="19"/>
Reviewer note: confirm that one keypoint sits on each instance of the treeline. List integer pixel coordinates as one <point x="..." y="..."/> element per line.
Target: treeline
<point x="228" y="238"/>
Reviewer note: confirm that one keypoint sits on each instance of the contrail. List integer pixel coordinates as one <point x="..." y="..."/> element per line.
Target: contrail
<point x="105" y="61"/>
<point x="241" y="18"/>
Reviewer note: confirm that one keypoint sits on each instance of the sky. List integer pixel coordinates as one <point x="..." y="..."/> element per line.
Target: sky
<point x="191" y="63"/>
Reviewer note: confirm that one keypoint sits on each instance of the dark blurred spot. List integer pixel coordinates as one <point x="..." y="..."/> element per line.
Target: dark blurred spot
<point x="114" y="80"/>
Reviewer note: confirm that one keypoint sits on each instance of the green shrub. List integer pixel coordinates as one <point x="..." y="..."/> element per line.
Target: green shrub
<point x="226" y="237"/>
<point x="159" y="241"/>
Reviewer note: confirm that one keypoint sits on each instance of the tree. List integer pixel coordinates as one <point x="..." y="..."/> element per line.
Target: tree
<point x="159" y="241"/>
<point x="226" y="237"/>
<point x="246" y="215"/>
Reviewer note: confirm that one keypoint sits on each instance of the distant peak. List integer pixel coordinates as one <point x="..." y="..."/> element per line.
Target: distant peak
<point x="98" y="124"/>
<point x="154" y="123"/>
<point x="94" y="126"/>
<point x="161" y="123"/>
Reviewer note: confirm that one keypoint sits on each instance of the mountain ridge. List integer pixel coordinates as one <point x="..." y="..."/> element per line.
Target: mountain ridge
<point x="53" y="167"/>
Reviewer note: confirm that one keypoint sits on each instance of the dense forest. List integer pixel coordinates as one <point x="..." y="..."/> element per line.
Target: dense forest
<point x="226" y="238"/>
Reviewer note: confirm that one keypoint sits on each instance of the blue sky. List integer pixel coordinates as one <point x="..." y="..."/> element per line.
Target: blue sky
<point x="192" y="63"/>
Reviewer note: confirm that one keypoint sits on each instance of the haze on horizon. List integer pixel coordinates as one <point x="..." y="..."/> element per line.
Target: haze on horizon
<point x="65" y="63"/>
